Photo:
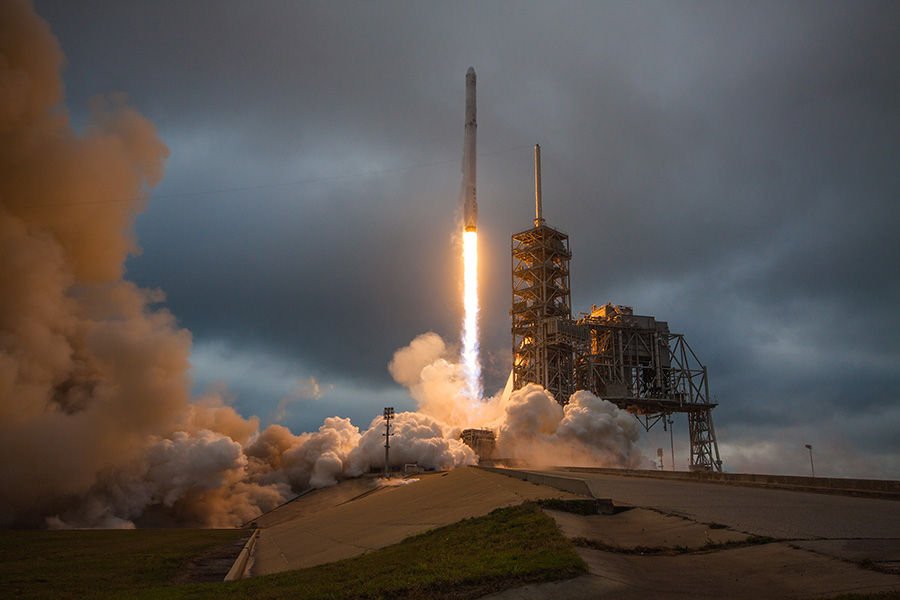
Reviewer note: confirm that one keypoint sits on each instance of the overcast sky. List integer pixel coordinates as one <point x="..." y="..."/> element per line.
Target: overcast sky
<point x="732" y="168"/>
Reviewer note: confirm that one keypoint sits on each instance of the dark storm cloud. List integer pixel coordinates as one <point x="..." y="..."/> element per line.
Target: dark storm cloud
<point x="730" y="168"/>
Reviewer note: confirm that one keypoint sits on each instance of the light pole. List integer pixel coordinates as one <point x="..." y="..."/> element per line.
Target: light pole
<point x="812" y="467"/>
<point x="671" y="438"/>
<point x="388" y="415"/>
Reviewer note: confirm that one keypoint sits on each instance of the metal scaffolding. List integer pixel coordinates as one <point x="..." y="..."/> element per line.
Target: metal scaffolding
<point x="541" y="300"/>
<point x="636" y="363"/>
<point x="633" y="361"/>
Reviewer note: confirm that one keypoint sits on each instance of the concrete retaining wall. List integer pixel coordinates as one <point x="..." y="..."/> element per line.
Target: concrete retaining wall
<point x="244" y="560"/>
<point x="872" y="488"/>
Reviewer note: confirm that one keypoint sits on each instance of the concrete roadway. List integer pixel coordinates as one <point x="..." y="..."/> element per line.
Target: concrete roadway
<point x="832" y="527"/>
<point x="841" y="526"/>
<point x="761" y="511"/>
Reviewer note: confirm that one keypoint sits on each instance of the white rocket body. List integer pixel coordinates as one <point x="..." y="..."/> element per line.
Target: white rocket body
<point x="470" y="203"/>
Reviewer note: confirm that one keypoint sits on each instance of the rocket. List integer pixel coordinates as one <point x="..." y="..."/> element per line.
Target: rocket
<point x="470" y="204"/>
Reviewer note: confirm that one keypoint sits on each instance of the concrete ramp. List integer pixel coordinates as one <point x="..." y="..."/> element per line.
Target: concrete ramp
<point x="323" y="528"/>
<point x="315" y="500"/>
<point x="573" y="485"/>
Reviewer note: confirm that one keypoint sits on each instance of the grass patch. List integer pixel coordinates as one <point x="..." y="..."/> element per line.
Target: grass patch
<point x="871" y="565"/>
<point x="752" y="540"/>
<point x="100" y="563"/>
<point x="579" y="507"/>
<point x="508" y="547"/>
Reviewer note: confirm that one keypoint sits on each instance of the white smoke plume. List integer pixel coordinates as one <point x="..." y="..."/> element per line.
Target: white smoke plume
<point x="531" y="426"/>
<point x="417" y="439"/>
<point x="97" y="424"/>
<point x="588" y="431"/>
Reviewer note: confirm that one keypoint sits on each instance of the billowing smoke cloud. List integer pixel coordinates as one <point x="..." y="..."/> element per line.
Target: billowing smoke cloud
<point x="96" y="420"/>
<point x="531" y="426"/>
<point x="97" y="425"/>
<point x="417" y="439"/>
<point x="588" y="431"/>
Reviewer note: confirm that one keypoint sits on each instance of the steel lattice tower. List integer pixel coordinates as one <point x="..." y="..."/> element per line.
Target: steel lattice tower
<point x="636" y="363"/>
<point x="541" y="297"/>
<point x="630" y="360"/>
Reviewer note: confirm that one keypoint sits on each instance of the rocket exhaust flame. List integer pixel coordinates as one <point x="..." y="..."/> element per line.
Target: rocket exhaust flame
<point x="470" y="359"/>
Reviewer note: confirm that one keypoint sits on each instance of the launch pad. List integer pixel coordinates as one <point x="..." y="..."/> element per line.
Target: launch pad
<point x="633" y="361"/>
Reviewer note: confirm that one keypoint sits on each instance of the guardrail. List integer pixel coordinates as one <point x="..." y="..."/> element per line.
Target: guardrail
<point x="243" y="561"/>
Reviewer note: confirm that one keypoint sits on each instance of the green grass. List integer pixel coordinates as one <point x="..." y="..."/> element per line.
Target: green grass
<point x="752" y="540"/>
<point x="99" y="563"/>
<point x="579" y="507"/>
<point x="510" y="546"/>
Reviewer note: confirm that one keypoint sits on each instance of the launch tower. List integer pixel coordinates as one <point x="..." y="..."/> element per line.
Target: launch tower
<point x="633" y="361"/>
<point x="541" y="304"/>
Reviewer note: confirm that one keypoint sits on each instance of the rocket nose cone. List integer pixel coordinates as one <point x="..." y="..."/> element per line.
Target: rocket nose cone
<point x="471" y="72"/>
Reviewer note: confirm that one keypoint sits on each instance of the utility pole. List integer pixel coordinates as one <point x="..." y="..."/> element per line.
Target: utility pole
<point x="812" y="467"/>
<point x="671" y="437"/>
<point x="388" y="416"/>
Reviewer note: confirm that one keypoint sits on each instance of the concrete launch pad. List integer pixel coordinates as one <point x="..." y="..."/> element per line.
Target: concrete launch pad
<point x="776" y="513"/>
<point x="641" y="527"/>
<point x="357" y="516"/>
<point x="703" y="540"/>
<point x="769" y="571"/>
